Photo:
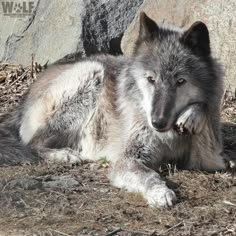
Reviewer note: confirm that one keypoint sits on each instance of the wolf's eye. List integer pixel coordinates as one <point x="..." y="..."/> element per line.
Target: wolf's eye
<point x="151" y="79"/>
<point x="181" y="81"/>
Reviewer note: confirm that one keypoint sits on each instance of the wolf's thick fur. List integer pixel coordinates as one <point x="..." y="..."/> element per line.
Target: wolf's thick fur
<point x="128" y="110"/>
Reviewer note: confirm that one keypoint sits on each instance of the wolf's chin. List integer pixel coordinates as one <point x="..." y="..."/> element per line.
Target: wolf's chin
<point x="163" y="130"/>
<point x="166" y="129"/>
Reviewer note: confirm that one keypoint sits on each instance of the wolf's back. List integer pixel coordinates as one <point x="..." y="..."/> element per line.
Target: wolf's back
<point x="12" y="150"/>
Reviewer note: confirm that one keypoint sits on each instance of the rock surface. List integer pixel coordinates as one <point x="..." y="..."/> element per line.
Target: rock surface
<point x="72" y="28"/>
<point x="32" y="183"/>
<point x="57" y="28"/>
<point x="219" y="16"/>
<point x="26" y="183"/>
<point x="60" y="182"/>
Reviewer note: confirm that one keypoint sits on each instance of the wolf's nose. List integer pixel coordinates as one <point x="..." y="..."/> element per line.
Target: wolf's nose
<point x="159" y="123"/>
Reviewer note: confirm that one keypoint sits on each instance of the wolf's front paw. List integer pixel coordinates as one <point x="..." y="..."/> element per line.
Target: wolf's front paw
<point x="190" y="122"/>
<point x="161" y="197"/>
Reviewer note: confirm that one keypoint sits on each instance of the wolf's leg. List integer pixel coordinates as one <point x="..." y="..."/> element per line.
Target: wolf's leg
<point x="67" y="103"/>
<point x="54" y="125"/>
<point x="131" y="173"/>
<point x="193" y="119"/>
<point x="206" y="151"/>
<point x="136" y="177"/>
<point x="59" y="155"/>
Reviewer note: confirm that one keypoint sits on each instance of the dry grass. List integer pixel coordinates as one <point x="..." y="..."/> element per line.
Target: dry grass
<point x="206" y="202"/>
<point x="229" y="106"/>
<point x="14" y="83"/>
<point x="206" y="205"/>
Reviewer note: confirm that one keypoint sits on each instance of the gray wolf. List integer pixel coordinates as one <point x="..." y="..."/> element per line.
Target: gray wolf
<point x="161" y="105"/>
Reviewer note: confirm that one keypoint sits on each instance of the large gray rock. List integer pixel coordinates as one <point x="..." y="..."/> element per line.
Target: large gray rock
<point x="81" y="27"/>
<point x="58" y="28"/>
<point x="219" y="15"/>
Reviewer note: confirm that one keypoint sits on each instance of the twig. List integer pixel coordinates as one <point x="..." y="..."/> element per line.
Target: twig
<point x="114" y="232"/>
<point x="229" y="203"/>
<point x="19" y="78"/>
<point x="26" y="205"/>
<point x="150" y="233"/>
<point x="32" y="66"/>
<point x="168" y="230"/>
<point x="217" y="232"/>
<point x="56" y="231"/>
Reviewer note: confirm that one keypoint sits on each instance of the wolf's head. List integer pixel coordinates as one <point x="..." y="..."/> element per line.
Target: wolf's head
<point x="173" y="69"/>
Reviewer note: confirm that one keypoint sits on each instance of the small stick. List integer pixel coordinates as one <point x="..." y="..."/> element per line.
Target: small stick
<point x="229" y="203"/>
<point x="150" y="233"/>
<point x="32" y="66"/>
<point x="168" y="230"/>
<point x="56" y="231"/>
<point x="19" y="78"/>
<point x="114" y="232"/>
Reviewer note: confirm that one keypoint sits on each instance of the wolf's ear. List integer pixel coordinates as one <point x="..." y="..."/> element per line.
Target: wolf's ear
<point x="148" y="31"/>
<point x="148" y="28"/>
<point x="197" y="39"/>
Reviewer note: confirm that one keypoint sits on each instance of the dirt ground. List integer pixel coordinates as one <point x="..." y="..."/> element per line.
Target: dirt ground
<point x="62" y="199"/>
